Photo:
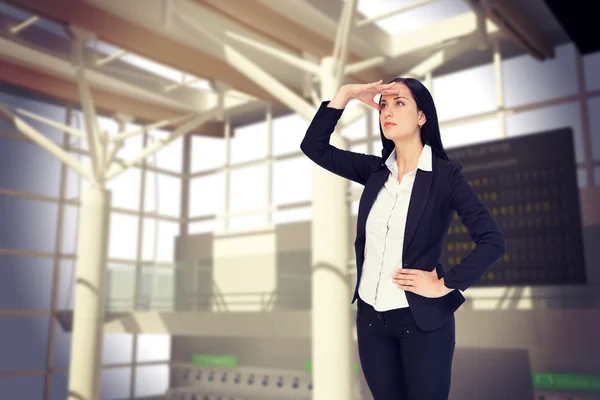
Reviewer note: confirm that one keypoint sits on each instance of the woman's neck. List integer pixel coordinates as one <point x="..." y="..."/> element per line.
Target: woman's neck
<point x="407" y="154"/>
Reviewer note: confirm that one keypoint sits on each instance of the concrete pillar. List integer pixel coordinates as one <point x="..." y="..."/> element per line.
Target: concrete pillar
<point x="88" y="316"/>
<point x="331" y="292"/>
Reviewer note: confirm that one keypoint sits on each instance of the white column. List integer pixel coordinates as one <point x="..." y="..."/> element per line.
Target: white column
<point x="331" y="292"/>
<point x="88" y="317"/>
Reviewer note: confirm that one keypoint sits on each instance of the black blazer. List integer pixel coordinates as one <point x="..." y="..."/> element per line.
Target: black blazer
<point x="435" y="196"/>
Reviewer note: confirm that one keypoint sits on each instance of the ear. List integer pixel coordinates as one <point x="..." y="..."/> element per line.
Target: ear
<point x="422" y="118"/>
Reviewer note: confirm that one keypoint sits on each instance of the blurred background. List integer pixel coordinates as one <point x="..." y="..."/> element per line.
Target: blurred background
<point x="191" y="113"/>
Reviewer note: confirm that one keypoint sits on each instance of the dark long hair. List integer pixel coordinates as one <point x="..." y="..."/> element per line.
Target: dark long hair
<point x="430" y="131"/>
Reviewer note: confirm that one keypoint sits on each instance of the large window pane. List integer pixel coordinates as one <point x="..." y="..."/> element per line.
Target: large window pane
<point x="123" y="236"/>
<point x="125" y="189"/>
<point x="248" y="188"/>
<point x="207" y="194"/>
<point x="594" y="118"/>
<point x="70" y="229"/>
<point x="27" y="167"/>
<point x="470" y="133"/>
<point x="249" y="143"/>
<point x="163" y="194"/>
<point x="23" y="342"/>
<point x="361" y="149"/>
<point x="248" y="221"/>
<point x="153" y="348"/>
<point x="463" y="93"/>
<point x="152" y="380"/>
<point x="22" y="387"/>
<point x="115" y="383"/>
<point x="288" y="132"/>
<point x="25" y="282"/>
<point x="527" y="80"/>
<point x="41" y="108"/>
<point x="549" y="118"/>
<point x="159" y="241"/>
<point x="591" y="64"/>
<point x="357" y="129"/>
<point x="117" y="349"/>
<point x="293" y="215"/>
<point x="211" y="225"/>
<point x="207" y="153"/>
<point x="292" y="180"/>
<point x="171" y="156"/>
<point x="62" y="348"/>
<point x="27" y="224"/>
<point x="66" y="289"/>
<point x="412" y="19"/>
<point x="60" y="383"/>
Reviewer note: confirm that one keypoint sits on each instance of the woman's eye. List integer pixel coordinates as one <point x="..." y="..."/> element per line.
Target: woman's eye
<point x="399" y="102"/>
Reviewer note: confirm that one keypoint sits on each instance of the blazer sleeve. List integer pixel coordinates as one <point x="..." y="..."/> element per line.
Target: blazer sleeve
<point x="484" y="231"/>
<point x="315" y="145"/>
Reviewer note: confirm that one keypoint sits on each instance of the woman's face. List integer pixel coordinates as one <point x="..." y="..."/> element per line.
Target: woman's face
<point x="399" y="117"/>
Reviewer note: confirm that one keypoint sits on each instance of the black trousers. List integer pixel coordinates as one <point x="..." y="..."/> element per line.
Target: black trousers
<point x="401" y="361"/>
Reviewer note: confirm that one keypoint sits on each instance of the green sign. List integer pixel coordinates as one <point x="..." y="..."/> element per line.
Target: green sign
<point x="214" y="360"/>
<point x="308" y="367"/>
<point x="565" y="381"/>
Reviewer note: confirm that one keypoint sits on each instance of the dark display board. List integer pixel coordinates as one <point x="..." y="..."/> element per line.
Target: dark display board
<point x="529" y="184"/>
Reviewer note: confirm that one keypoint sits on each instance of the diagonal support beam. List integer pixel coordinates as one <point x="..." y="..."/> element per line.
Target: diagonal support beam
<point x="46" y="143"/>
<point x="116" y="170"/>
<point x="294" y="61"/>
<point x="253" y="71"/>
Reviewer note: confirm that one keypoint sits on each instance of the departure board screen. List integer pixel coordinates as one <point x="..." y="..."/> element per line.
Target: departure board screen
<point x="529" y="184"/>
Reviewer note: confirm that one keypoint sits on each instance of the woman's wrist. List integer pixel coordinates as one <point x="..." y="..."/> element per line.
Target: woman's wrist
<point x="340" y="100"/>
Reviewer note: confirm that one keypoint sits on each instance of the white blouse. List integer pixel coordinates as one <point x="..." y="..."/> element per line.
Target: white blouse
<point x="385" y="236"/>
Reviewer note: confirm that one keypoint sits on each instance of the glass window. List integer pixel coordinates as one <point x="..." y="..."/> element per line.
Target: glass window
<point x="23" y="342"/>
<point x="591" y="64"/>
<point x="293" y="215"/>
<point x="159" y="245"/>
<point x="60" y="384"/>
<point x="66" y="288"/>
<point x="527" y="80"/>
<point x="50" y="111"/>
<point x="594" y="118"/>
<point x="153" y="348"/>
<point x="163" y="194"/>
<point x="211" y="225"/>
<point x="248" y="188"/>
<point x="357" y="129"/>
<point x="120" y="281"/>
<point x="464" y="93"/>
<point x="292" y="180"/>
<point x="123" y="236"/>
<point x="115" y="383"/>
<point x="169" y="157"/>
<point x="70" y="229"/>
<point x="117" y="349"/>
<point x="22" y="387"/>
<point x="248" y="221"/>
<point x="27" y="224"/>
<point x="288" y="132"/>
<point x="25" y="282"/>
<point x="125" y="189"/>
<point x="470" y="133"/>
<point x="62" y="347"/>
<point x="207" y="153"/>
<point x="549" y="118"/>
<point x="207" y="194"/>
<point x="27" y="167"/>
<point x="582" y="178"/>
<point x="249" y="143"/>
<point x="151" y="380"/>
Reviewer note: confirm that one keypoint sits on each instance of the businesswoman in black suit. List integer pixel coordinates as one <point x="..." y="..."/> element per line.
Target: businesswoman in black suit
<point x="406" y="301"/>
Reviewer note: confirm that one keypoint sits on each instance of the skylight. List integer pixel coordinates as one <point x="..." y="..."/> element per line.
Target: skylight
<point x="412" y="19"/>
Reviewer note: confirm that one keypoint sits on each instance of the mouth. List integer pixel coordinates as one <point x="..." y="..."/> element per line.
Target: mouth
<point x="389" y="124"/>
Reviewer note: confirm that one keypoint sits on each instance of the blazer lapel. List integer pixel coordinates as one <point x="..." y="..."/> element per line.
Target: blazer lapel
<point x="418" y="200"/>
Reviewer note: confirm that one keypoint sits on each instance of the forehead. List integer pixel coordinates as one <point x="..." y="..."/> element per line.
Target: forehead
<point x="403" y="91"/>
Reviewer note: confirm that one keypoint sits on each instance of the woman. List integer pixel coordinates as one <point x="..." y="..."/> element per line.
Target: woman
<point x="406" y="301"/>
